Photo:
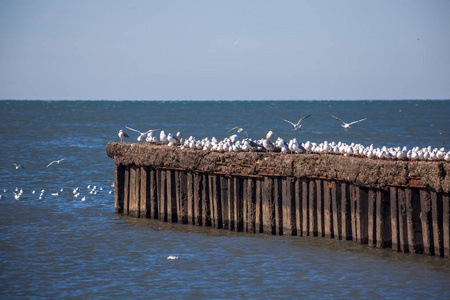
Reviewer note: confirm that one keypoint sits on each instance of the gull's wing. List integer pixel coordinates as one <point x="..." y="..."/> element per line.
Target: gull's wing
<point x="338" y="119"/>
<point x="51" y="163"/>
<point x="357" y="121"/>
<point x="289" y="122"/>
<point x="233" y="128"/>
<point x="151" y="130"/>
<point x="133" y="129"/>
<point x="299" y="121"/>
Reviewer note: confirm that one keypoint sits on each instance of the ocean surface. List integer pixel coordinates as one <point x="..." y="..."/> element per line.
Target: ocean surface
<point x="62" y="247"/>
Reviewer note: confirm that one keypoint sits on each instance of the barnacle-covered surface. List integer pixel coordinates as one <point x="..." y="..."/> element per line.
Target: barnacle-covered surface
<point x="362" y="171"/>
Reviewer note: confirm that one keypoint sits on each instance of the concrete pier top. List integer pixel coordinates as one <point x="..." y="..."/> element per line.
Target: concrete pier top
<point x="365" y="172"/>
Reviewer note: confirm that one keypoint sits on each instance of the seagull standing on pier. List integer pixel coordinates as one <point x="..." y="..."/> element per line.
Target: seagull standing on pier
<point x="298" y="125"/>
<point x="122" y="135"/>
<point x="270" y="136"/>
<point x="346" y="126"/>
<point x="55" y="161"/>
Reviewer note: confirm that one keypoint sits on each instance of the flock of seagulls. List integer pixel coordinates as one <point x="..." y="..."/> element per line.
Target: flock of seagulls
<point x="76" y="192"/>
<point x="233" y="143"/>
<point x="19" y="166"/>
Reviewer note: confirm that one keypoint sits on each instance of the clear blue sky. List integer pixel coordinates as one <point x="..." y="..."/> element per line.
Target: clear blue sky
<point x="212" y="50"/>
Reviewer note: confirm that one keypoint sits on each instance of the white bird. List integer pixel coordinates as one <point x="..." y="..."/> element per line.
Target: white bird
<point x="239" y="130"/>
<point x="346" y="126"/>
<point x="55" y="194"/>
<point x="267" y="144"/>
<point x="142" y="135"/>
<point x="298" y="125"/>
<point x="18" y="166"/>
<point x="83" y="199"/>
<point x="55" y="161"/>
<point x="171" y="138"/>
<point x="172" y="257"/>
<point x="122" y="135"/>
<point x="163" y="136"/>
<point x="270" y="135"/>
<point x="17" y="195"/>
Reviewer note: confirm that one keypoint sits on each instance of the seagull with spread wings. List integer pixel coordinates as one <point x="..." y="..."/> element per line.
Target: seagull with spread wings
<point x="346" y="126"/>
<point x="239" y="129"/>
<point x="55" y="161"/>
<point x="298" y="125"/>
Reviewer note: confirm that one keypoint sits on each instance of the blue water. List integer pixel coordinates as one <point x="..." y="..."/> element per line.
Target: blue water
<point x="62" y="247"/>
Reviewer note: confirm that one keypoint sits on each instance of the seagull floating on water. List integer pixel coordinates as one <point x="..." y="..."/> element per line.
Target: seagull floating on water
<point x="55" y="161"/>
<point x="122" y="135"/>
<point x="346" y="126"/>
<point x="298" y="125"/>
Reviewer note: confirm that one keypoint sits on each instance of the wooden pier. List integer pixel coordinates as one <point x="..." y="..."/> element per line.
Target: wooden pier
<point x="401" y="205"/>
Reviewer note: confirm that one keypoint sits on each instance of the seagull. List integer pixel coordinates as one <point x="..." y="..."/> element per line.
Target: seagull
<point x="239" y="130"/>
<point x="270" y="135"/>
<point x="18" y="166"/>
<point x="55" y="161"/>
<point x="346" y="126"/>
<point x="163" y="136"/>
<point x="298" y="125"/>
<point x="172" y="257"/>
<point x="142" y="134"/>
<point x="122" y="135"/>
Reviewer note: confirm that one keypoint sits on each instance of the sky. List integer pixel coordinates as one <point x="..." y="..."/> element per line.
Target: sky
<point x="224" y="50"/>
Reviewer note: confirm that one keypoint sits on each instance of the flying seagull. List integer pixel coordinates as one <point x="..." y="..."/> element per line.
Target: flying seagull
<point x="18" y="166"/>
<point x="346" y="126"/>
<point x="55" y="161"/>
<point x="239" y="130"/>
<point x="298" y="125"/>
<point x="142" y="134"/>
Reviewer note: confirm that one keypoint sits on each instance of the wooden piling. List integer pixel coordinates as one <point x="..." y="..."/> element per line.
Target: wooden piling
<point x="327" y="210"/>
<point x="231" y="203"/>
<point x="305" y="208"/>
<point x="402" y="226"/>
<point x="126" y="190"/>
<point x="337" y="209"/>
<point x="268" y="207"/>
<point x="258" y="205"/>
<point x="298" y="207"/>
<point x="346" y="212"/>
<point x="190" y="198"/>
<point x="320" y="208"/>
<point x="154" y="212"/>
<point x="312" y="208"/>
<point x="119" y="181"/>
<point x="437" y="212"/>
<point x="288" y="207"/>
<point x="278" y="202"/>
<point x="144" y="198"/>
<point x="394" y="219"/>
<point x="224" y="202"/>
<point x="446" y="224"/>
<point x="238" y="203"/>
<point x="413" y="223"/>
<point x="383" y="220"/>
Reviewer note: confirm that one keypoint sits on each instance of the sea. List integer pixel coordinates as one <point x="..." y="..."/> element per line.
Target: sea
<point x="60" y="247"/>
